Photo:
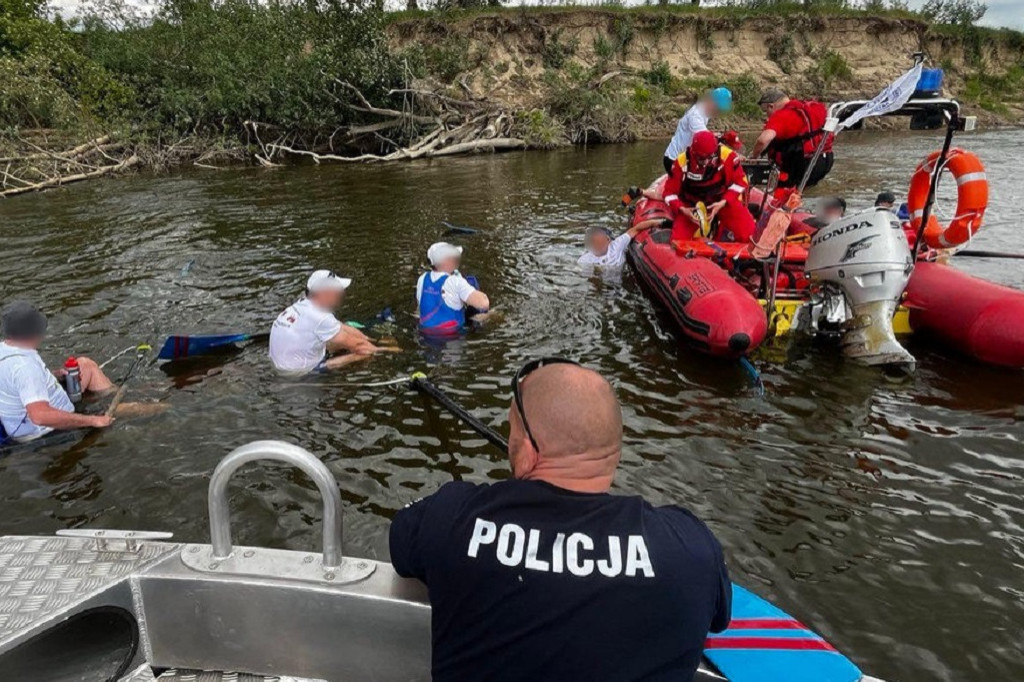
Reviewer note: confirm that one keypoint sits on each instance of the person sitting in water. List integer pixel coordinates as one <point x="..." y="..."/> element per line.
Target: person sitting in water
<point x="304" y="335"/>
<point x="696" y="118"/>
<point x="547" y="576"/>
<point x="709" y="173"/>
<point x="443" y="294"/>
<point x="604" y="251"/>
<point x="32" y="401"/>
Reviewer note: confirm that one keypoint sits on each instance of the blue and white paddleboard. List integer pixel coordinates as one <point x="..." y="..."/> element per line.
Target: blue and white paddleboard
<point x="765" y="644"/>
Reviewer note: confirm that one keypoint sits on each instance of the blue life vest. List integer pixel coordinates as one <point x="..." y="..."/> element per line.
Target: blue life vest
<point x="435" y="314"/>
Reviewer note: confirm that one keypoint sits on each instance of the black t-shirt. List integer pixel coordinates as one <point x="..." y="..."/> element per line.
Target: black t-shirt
<point x="529" y="581"/>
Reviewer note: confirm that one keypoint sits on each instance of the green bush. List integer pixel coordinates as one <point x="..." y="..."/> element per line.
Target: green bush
<point x="211" y="65"/>
<point x="832" y="67"/>
<point x="782" y="51"/>
<point x="659" y="75"/>
<point x="555" y="52"/>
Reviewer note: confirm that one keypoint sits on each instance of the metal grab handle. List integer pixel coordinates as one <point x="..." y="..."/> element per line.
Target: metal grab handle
<point x="220" y="514"/>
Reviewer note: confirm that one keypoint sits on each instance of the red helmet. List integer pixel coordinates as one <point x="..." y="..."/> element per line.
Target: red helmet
<point x="704" y="144"/>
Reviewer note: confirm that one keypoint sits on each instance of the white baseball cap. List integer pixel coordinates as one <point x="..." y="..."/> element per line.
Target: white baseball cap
<point x="326" y="280"/>
<point x="442" y="251"/>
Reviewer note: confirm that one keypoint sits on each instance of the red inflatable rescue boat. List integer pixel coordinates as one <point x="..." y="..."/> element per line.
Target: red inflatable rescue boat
<point x="715" y="313"/>
<point x="978" y="318"/>
<point x="696" y="282"/>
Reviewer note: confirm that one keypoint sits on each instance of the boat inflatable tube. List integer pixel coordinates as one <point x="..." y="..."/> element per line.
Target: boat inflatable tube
<point x="971" y="192"/>
<point x="978" y="318"/>
<point x="714" y="312"/>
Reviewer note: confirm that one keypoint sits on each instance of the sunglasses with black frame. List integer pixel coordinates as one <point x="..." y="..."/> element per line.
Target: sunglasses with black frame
<point x="517" y="393"/>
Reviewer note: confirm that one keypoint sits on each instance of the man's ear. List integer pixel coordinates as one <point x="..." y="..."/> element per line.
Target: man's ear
<point x="525" y="460"/>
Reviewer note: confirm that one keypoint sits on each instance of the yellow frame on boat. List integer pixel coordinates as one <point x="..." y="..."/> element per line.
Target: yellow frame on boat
<point x="786" y="310"/>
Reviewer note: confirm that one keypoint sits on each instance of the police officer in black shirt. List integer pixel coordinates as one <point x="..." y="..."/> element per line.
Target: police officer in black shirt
<point x="547" y="576"/>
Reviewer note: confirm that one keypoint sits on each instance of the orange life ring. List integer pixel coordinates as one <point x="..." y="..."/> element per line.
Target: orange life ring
<point x="971" y="193"/>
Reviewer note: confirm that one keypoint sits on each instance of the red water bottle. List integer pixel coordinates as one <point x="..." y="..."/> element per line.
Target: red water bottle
<point x="73" y="379"/>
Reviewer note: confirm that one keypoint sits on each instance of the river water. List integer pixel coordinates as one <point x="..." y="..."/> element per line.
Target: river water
<point x="887" y="516"/>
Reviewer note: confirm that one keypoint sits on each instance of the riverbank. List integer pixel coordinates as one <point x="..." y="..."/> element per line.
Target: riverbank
<point x="584" y="75"/>
<point x="235" y="82"/>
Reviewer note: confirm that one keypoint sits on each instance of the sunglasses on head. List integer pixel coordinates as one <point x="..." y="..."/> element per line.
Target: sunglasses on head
<point x="517" y="393"/>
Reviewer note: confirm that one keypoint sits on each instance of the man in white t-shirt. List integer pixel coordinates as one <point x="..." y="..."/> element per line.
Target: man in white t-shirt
<point x="304" y="335"/>
<point x="717" y="101"/>
<point x="443" y="294"/>
<point x="32" y="401"/>
<point x="606" y="252"/>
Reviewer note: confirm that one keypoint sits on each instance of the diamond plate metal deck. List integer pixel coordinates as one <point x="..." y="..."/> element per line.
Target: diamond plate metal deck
<point x="42" y="576"/>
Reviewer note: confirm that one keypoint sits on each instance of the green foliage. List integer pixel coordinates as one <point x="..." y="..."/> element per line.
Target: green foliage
<point x="641" y="97"/>
<point x="782" y="51"/>
<point x="992" y="92"/>
<point x="447" y="58"/>
<point x="659" y="75"/>
<point x="211" y="65"/>
<point x="540" y="129"/>
<point x="623" y="32"/>
<point x="705" y="36"/>
<point x="830" y="68"/>
<point x="556" y="52"/>
<point x="603" y="48"/>
<point x="954" y="12"/>
<point x="45" y="80"/>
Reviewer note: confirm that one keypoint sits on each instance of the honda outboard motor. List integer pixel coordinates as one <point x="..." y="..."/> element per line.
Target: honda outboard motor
<point x="862" y="264"/>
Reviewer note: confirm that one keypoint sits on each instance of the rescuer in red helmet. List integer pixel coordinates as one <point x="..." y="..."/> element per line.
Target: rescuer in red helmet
<point x="709" y="173"/>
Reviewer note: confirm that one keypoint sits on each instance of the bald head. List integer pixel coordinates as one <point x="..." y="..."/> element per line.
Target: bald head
<point x="576" y="420"/>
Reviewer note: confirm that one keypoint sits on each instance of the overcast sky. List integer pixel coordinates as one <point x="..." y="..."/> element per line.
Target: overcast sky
<point x="1000" y="12"/>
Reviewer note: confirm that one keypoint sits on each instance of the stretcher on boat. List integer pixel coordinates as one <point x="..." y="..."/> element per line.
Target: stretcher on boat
<point x="134" y="605"/>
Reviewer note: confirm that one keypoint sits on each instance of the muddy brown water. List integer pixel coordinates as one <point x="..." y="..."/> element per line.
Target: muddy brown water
<point x="886" y="515"/>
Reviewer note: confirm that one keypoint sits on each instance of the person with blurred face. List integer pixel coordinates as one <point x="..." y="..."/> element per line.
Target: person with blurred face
<point x="831" y="209"/>
<point x="711" y="174"/>
<point x="32" y="401"/>
<point x="306" y="333"/>
<point x="696" y="119"/>
<point x="549" y="577"/>
<point x="443" y="294"/>
<point x="604" y="251"/>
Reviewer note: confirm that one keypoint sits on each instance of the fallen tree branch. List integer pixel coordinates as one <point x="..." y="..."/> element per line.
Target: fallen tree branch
<point x="57" y="180"/>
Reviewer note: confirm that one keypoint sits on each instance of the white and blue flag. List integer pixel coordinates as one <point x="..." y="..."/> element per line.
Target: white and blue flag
<point x="892" y="98"/>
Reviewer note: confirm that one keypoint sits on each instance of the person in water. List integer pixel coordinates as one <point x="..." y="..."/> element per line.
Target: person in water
<point x="790" y="137"/>
<point x="696" y="119"/>
<point x="32" y="401"/>
<point x="443" y="294"/>
<point x="547" y="576"/>
<point x="604" y="251"/>
<point x="307" y="332"/>
<point x="831" y="209"/>
<point x="711" y="174"/>
<point x="885" y="200"/>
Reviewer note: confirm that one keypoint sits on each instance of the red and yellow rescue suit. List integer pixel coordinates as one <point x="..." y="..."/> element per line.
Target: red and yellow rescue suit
<point x="722" y="178"/>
